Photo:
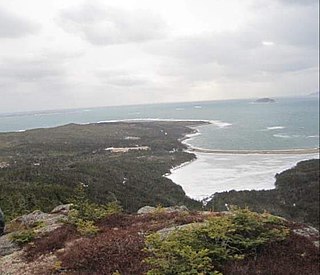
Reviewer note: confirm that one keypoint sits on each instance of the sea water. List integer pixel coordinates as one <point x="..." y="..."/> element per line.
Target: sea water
<point x="290" y="123"/>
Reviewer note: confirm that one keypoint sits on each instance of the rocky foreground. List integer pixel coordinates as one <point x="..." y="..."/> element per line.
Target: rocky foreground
<point x="41" y="243"/>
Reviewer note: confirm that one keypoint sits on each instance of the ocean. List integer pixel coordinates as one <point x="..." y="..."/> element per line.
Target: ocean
<point x="290" y="123"/>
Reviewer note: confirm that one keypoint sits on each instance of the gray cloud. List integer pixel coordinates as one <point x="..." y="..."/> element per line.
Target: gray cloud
<point x="277" y="42"/>
<point x="121" y="78"/>
<point x="34" y="82"/>
<point x="291" y="25"/>
<point x="300" y="2"/>
<point x="13" y="26"/>
<point x="106" y="26"/>
<point x="274" y="51"/>
<point x="30" y="69"/>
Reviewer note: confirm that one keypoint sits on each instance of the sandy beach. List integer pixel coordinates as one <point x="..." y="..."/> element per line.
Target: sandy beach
<point x="263" y="152"/>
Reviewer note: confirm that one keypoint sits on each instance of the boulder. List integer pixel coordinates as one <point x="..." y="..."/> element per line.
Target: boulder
<point x="63" y="209"/>
<point x="165" y="232"/>
<point x="41" y="222"/>
<point x="146" y="210"/>
<point x="181" y="208"/>
<point x="7" y="246"/>
<point x="310" y="233"/>
<point x="171" y="209"/>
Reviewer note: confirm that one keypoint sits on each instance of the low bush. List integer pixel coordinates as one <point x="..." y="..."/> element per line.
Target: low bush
<point x="85" y="213"/>
<point x="24" y="236"/>
<point x="51" y="242"/>
<point x="203" y="249"/>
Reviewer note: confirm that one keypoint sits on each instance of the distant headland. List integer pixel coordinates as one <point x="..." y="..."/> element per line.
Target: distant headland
<point x="265" y="100"/>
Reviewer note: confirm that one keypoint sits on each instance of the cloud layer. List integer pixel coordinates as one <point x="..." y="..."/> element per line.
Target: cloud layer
<point x="13" y="26"/>
<point x="78" y="54"/>
<point x="108" y="25"/>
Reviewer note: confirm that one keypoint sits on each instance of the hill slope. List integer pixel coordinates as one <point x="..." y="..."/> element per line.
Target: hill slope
<point x="41" y="168"/>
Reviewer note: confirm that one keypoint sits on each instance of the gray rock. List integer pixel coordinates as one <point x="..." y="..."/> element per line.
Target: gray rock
<point x="63" y="209"/>
<point x="47" y="222"/>
<point x="165" y="232"/>
<point x="7" y="246"/>
<point x="146" y="210"/>
<point x="310" y="233"/>
<point x="171" y="209"/>
<point x="181" y="208"/>
<point x="40" y="222"/>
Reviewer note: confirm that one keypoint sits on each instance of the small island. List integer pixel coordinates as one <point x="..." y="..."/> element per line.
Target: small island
<point x="265" y="100"/>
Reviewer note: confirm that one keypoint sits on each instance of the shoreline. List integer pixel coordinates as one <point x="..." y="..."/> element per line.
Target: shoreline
<point x="196" y="132"/>
<point x="264" y="178"/>
<point x="260" y="152"/>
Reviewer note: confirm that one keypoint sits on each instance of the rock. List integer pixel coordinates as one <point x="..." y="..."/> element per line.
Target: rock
<point x="146" y="210"/>
<point x="38" y="221"/>
<point x="1" y="222"/>
<point x="41" y="222"/>
<point x="15" y="264"/>
<point x="181" y="208"/>
<point x="7" y="246"/>
<point x="63" y="209"/>
<point x="310" y="233"/>
<point x="165" y="232"/>
<point x="171" y="209"/>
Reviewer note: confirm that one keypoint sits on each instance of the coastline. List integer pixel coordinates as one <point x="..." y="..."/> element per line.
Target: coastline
<point x="225" y="170"/>
<point x="261" y="152"/>
<point x="196" y="132"/>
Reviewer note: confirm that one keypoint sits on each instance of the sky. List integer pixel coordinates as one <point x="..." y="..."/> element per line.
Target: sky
<point x="58" y="54"/>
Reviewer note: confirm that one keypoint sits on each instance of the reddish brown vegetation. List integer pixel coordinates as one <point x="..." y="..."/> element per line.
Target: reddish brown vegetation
<point x="119" y="247"/>
<point x="113" y="250"/>
<point x="50" y="243"/>
<point x="295" y="255"/>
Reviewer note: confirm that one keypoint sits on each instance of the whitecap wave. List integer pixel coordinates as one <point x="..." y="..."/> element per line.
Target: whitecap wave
<point x="275" y="128"/>
<point x="220" y="124"/>
<point x="282" y="136"/>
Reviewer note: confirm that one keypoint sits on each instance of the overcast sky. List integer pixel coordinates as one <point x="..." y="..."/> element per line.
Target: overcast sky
<point x="67" y="54"/>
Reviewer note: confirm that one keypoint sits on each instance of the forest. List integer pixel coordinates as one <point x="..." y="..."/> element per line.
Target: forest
<point x="42" y="168"/>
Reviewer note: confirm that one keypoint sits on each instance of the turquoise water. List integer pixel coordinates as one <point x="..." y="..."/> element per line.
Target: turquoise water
<point x="237" y="124"/>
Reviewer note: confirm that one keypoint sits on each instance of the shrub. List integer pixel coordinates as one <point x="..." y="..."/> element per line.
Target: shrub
<point x="22" y="237"/>
<point x="204" y="248"/>
<point x="86" y="228"/>
<point x="85" y="213"/>
<point x="50" y="242"/>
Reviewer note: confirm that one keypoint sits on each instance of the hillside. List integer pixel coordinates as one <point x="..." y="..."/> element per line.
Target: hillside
<point x="42" y="168"/>
<point x="156" y="241"/>
<point x="295" y="197"/>
<point x="107" y="172"/>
